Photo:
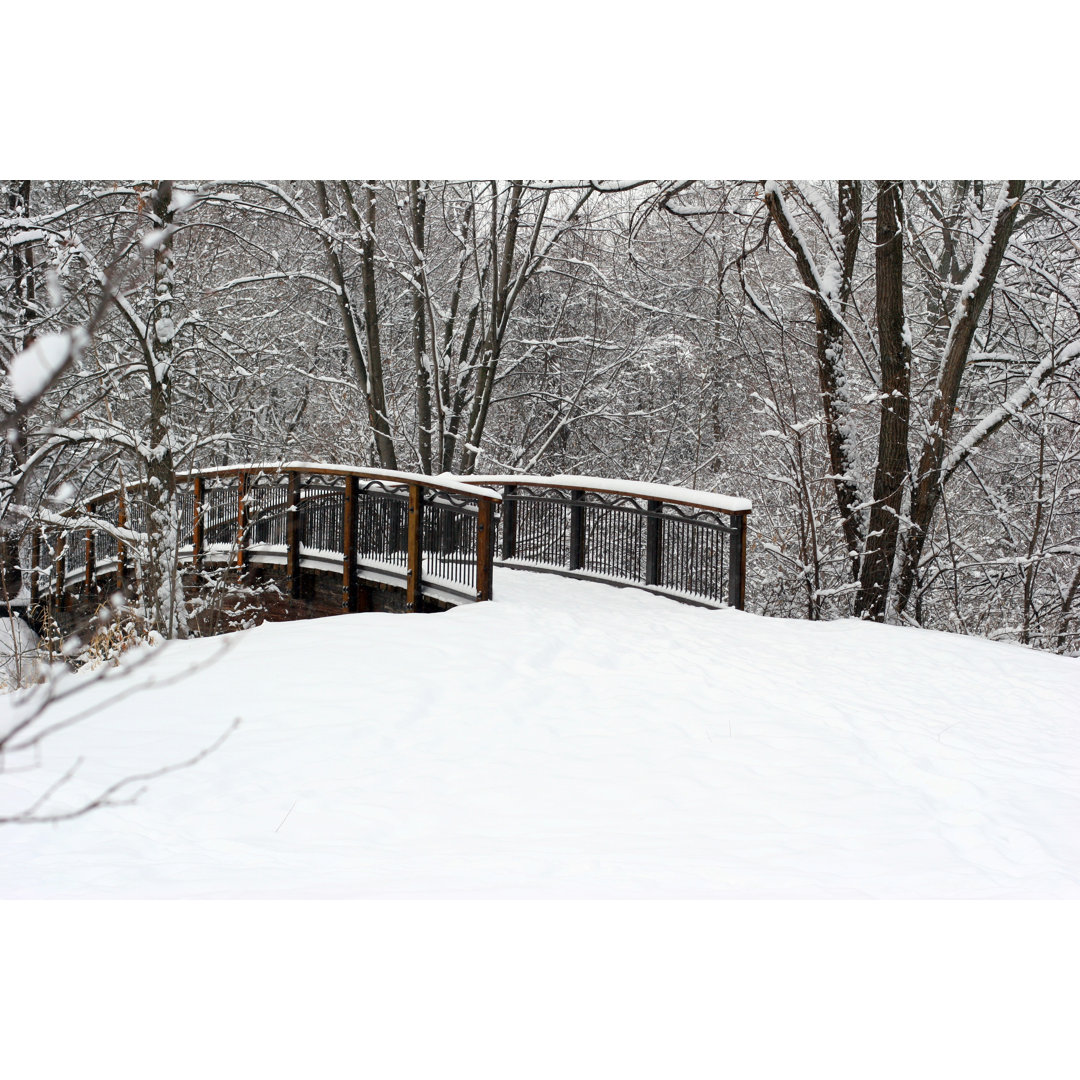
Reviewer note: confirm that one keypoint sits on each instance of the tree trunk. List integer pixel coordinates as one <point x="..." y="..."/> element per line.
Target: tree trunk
<point x="895" y="408"/>
<point x="974" y="294"/>
<point x="421" y="359"/>
<point x="368" y="368"/>
<point x="163" y="591"/>
<point x="24" y="302"/>
<point x="488" y="357"/>
<point x="832" y="381"/>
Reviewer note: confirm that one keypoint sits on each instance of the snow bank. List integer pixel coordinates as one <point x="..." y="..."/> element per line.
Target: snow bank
<point x="573" y="740"/>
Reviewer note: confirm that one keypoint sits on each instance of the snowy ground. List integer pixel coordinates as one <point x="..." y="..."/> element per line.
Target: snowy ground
<point x="571" y="739"/>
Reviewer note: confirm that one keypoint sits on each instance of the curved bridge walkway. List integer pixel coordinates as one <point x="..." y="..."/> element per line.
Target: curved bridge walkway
<point x="435" y="537"/>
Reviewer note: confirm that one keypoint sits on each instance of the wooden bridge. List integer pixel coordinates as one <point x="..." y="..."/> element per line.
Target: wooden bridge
<point x="435" y="539"/>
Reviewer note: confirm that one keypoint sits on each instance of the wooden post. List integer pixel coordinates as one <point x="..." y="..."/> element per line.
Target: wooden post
<point x="292" y="536"/>
<point x="88" y="575"/>
<point x="577" y="529"/>
<point x="415" y="581"/>
<point x="121" y="522"/>
<point x="485" y="547"/>
<point x="197" y="523"/>
<point x="59" y="567"/>
<point x="508" y="520"/>
<point x="241" y="519"/>
<point x="348" y="544"/>
<point x="35" y="562"/>
<point x="654" y="542"/>
<point x="737" y="562"/>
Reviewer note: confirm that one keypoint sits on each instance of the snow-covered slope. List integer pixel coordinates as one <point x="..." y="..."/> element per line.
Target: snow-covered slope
<point x="572" y="739"/>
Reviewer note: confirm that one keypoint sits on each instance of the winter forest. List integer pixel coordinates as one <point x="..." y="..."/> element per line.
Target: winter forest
<point x="887" y="369"/>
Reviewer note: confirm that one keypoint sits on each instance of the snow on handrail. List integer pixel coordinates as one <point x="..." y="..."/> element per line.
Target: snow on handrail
<point x="705" y="500"/>
<point x="438" y="483"/>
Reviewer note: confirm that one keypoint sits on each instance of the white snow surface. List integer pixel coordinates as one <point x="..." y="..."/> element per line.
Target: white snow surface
<point x="665" y="492"/>
<point x="569" y="739"/>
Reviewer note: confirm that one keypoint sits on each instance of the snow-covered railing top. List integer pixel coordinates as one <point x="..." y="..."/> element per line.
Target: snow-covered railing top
<point x="444" y="482"/>
<point x="705" y="500"/>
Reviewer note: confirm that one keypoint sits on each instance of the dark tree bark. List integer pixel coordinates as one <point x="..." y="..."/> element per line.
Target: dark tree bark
<point x="25" y="302"/>
<point x="895" y="355"/>
<point x="377" y="385"/>
<point x="421" y="358"/>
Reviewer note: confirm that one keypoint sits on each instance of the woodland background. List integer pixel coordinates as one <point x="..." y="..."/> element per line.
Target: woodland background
<point x="886" y="368"/>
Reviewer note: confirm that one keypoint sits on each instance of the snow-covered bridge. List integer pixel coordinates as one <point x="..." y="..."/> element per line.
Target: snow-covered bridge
<point x="435" y="539"/>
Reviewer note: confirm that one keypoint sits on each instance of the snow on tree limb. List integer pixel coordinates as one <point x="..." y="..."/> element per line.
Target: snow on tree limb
<point x="1008" y="409"/>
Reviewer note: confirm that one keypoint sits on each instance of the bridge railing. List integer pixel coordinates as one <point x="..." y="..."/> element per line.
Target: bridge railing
<point x="437" y="537"/>
<point x="434" y="537"/>
<point x="689" y="545"/>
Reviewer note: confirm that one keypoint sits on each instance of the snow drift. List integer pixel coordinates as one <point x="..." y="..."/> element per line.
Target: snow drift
<point x="569" y="739"/>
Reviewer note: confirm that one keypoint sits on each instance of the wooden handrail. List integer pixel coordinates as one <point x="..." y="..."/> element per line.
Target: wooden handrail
<point x="452" y="485"/>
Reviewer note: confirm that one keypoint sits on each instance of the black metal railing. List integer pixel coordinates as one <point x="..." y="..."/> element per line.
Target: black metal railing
<point x="685" y="544"/>
<point x="217" y="515"/>
<point x="322" y="516"/>
<point x="266" y="509"/>
<point x="383" y="533"/>
<point x="535" y="526"/>
<point x="450" y="539"/>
